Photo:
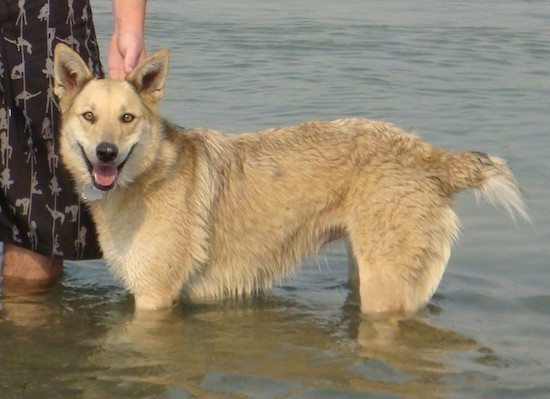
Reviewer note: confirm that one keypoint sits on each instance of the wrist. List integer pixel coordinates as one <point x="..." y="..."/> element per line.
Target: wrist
<point x="128" y="15"/>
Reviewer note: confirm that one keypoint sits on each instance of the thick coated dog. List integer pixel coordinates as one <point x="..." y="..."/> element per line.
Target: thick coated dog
<point x="220" y="215"/>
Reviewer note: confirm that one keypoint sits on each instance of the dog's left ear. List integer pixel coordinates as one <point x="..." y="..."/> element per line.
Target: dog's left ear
<point x="149" y="76"/>
<point x="70" y="73"/>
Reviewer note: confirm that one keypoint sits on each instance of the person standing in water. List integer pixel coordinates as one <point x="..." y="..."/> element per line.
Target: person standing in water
<point x="42" y="221"/>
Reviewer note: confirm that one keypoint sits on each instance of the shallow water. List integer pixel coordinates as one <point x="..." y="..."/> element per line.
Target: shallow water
<point x="463" y="75"/>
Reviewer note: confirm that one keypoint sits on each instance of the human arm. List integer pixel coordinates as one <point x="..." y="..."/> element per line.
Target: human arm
<point x="127" y="45"/>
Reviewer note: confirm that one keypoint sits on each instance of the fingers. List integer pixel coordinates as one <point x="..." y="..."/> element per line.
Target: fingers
<point x="131" y="59"/>
<point x="125" y="52"/>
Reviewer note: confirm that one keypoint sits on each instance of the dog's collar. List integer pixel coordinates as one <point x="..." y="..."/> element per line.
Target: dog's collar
<point x="91" y="193"/>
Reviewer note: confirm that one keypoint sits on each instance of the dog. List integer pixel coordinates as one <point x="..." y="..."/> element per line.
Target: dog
<point x="216" y="215"/>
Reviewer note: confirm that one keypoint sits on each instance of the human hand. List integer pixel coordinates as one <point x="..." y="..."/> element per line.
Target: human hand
<point x="126" y="49"/>
<point x="127" y="45"/>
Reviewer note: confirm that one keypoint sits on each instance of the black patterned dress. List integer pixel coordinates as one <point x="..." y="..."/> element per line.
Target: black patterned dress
<point x="38" y="207"/>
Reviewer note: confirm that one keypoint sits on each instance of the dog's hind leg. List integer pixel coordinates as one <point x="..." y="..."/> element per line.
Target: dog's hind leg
<point x="400" y="246"/>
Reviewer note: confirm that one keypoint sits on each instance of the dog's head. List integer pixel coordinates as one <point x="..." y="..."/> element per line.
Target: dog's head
<point x="107" y="124"/>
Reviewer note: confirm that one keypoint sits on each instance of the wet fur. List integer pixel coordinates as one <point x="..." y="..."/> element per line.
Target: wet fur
<point x="220" y="215"/>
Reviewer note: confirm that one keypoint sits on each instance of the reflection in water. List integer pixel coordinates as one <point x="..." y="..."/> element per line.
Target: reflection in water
<point x="243" y="350"/>
<point x="25" y="306"/>
<point x="271" y="346"/>
<point x="268" y="347"/>
<point x="410" y="355"/>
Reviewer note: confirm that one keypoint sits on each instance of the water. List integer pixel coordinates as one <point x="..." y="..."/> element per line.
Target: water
<point x="465" y="75"/>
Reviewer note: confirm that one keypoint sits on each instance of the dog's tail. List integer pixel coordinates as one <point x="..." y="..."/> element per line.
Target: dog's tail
<point x="490" y="176"/>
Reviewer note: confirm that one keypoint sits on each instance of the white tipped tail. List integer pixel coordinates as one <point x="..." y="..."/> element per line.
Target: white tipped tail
<point x="500" y="188"/>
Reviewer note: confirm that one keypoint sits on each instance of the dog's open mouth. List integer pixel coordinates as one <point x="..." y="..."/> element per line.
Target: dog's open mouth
<point x="104" y="175"/>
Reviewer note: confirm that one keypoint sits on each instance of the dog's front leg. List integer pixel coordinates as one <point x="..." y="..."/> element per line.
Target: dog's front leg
<point x="154" y="285"/>
<point x="153" y="302"/>
<point x="153" y="294"/>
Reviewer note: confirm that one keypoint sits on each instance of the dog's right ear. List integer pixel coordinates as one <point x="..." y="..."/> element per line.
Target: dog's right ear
<point x="70" y="73"/>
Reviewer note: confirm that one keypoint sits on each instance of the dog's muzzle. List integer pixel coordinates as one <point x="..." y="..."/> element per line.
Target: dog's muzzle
<point x="104" y="173"/>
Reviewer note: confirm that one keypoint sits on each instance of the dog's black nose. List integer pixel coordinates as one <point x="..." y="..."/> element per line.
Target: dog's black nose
<point x="106" y="152"/>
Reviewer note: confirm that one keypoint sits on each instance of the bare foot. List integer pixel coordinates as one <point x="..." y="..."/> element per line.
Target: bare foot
<point x="27" y="267"/>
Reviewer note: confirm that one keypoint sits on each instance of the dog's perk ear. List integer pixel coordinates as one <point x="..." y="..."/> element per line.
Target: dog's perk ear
<point x="70" y="73"/>
<point x="149" y="76"/>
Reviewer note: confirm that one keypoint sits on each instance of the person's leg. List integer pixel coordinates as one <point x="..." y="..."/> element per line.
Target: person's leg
<point x="23" y="264"/>
<point x="38" y="208"/>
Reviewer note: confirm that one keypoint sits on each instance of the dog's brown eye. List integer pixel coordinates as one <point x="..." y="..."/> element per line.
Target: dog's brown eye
<point x="127" y="118"/>
<point x="89" y="116"/>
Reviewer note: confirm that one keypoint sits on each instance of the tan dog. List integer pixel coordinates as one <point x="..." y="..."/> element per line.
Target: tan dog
<point x="223" y="215"/>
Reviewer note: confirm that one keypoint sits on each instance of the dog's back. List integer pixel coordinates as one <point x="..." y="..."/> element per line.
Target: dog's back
<point x="282" y="193"/>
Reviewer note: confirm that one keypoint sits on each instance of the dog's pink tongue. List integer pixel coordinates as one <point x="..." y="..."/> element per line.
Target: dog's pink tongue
<point x="105" y="175"/>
